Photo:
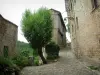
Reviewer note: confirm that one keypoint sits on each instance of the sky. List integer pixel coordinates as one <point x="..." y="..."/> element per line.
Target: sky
<point x="13" y="10"/>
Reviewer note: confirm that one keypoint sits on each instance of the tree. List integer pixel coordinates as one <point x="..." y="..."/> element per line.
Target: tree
<point x="37" y="28"/>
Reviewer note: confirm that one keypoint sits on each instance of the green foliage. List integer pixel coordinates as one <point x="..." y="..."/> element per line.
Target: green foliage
<point x="6" y="62"/>
<point x="94" y="67"/>
<point x="21" y="61"/>
<point x="36" y="61"/>
<point x="7" y="66"/>
<point x="35" y="53"/>
<point x="52" y="50"/>
<point x="24" y="51"/>
<point x="37" y="27"/>
<point x="52" y="56"/>
<point x="24" y="48"/>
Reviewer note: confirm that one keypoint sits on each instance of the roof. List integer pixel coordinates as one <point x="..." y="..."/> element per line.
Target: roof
<point x="7" y="20"/>
<point x="59" y="13"/>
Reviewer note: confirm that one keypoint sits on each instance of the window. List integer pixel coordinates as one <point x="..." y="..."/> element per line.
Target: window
<point x="94" y="4"/>
<point x="5" y="51"/>
<point x="77" y="22"/>
<point x="71" y="5"/>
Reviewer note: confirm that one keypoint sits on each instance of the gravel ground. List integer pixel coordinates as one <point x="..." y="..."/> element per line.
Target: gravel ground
<point x="66" y="65"/>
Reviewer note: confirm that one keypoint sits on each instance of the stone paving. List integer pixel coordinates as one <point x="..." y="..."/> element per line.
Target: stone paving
<point x="66" y="65"/>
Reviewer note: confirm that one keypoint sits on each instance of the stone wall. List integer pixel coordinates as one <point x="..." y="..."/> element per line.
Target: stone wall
<point x="85" y="29"/>
<point x="8" y="36"/>
<point x="58" y="29"/>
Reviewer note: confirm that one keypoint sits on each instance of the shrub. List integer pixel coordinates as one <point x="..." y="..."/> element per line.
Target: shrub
<point x="25" y="53"/>
<point x="94" y="67"/>
<point x="52" y="50"/>
<point x="36" y="61"/>
<point x="25" y="59"/>
<point x="5" y="61"/>
<point x="7" y="66"/>
<point x="21" y="61"/>
<point x="52" y="57"/>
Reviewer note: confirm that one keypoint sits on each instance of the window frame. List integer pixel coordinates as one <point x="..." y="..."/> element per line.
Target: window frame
<point x="6" y="51"/>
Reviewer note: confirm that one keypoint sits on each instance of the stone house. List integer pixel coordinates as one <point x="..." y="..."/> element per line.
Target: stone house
<point x="59" y="29"/>
<point x="84" y="20"/>
<point x="8" y="37"/>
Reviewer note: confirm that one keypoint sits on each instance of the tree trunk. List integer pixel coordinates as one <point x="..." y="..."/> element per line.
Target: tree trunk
<point x="41" y="55"/>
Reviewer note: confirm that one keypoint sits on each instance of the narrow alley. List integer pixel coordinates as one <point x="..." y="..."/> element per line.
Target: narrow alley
<point x="66" y="65"/>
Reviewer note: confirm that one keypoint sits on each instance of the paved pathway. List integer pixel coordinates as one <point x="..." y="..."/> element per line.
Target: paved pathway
<point x="66" y="65"/>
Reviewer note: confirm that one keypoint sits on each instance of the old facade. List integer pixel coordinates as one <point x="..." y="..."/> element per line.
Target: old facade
<point x="59" y="29"/>
<point x="8" y="37"/>
<point x="84" y="20"/>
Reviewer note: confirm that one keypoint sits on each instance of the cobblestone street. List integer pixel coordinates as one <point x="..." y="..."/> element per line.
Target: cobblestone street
<point x="66" y="65"/>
